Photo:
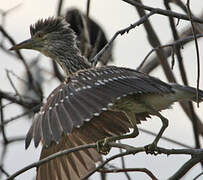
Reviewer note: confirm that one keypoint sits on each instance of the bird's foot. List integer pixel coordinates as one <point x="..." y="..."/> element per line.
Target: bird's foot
<point x="103" y="147"/>
<point x="152" y="149"/>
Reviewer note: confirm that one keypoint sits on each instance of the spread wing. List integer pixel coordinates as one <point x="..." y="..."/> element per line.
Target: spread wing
<point x="85" y="95"/>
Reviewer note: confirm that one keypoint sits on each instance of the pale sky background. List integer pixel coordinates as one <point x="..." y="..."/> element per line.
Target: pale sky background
<point x="129" y="51"/>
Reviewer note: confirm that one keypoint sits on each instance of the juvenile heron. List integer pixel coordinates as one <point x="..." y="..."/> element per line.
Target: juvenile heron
<point x="91" y="104"/>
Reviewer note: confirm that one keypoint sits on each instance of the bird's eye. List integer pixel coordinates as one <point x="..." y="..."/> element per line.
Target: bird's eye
<point x="40" y="35"/>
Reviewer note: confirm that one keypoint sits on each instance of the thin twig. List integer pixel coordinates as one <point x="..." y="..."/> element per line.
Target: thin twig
<point x="15" y="139"/>
<point x="6" y="104"/>
<point x="200" y="174"/>
<point x="95" y="60"/>
<point x="57" y="73"/>
<point x="49" y="158"/>
<point x="195" y="125"/>
<point x="132" y="151"/>
<point x="34" y="109"/>
<point x="14" y="99"/>
<point x="148" y="172"/>
<point x="2" y="122"/>
<point x="12" y="84"/>
<point x="166" y="138"/>
<point x="4" y="171"/>
<point x="162" y="11"/>
<point x="88" y="8"/>
<point x="59" y="9"/>
<point x="197" y="49"/>
<point x="20" y="56"/>
<point x="153" y="63"/>
<point x="123" y="164"/>
<point x="5" y="49"/>
<point x="177" y="47"/>
<point x="154" y="41"/>
<point x="3" y="155"/>
<point x="3" y="13"/>
<point x="129" y="150"/>
<point x="179" y="41"/>
<point x="173" y="57"/>
<point x="186" y="167"/>
<point x="54" y="65"/>
<point x="19" y="78"/>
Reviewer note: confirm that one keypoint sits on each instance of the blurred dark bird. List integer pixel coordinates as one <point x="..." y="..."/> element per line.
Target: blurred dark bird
<point x="91" y="104"/>
<point x="27" y="90"/>
<point x="90" y="36"/>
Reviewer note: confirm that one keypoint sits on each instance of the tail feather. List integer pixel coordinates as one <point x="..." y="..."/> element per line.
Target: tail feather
<point x="76" y="165"/>
<point x="65" y="166"/>
<point x="187" y="93"/>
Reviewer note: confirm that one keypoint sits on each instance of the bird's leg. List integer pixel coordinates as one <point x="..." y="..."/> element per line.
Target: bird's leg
<point x="102" y="145"/>
<point x="153" y="147"/>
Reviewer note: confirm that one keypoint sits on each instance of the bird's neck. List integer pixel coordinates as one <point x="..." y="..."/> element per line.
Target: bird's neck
<point x="72" y="61"/>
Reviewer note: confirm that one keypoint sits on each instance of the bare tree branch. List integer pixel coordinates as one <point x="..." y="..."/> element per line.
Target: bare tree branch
<point x="198" y="176"/>
<point x="4" y="171"/>
<point x="197" y="48"/>
<point x="172" y="44"/>
<point x="58" y="154"/>
<point x="95" y="60"/>
<point x="166" y="138"/>
<point x="59" y="8"/>
<point x="20" y="56"/>
<point x="148" y="172"/>
<point x="186" y="167"/>
<point x="2" y="122"/>
<point x="162" y="11"/>
<point x="196" y="153"/>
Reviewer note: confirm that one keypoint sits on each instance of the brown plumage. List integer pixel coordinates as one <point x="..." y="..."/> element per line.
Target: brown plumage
<point x="78" y="164"/>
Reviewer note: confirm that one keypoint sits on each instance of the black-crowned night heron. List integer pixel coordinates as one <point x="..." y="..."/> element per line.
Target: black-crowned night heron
<point x="91" y="104"/>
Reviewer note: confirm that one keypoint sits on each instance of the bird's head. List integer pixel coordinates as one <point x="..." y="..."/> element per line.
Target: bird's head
<point x="51" y="37"/>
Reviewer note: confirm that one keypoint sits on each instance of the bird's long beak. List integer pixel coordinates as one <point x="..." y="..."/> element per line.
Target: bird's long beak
<point x="27" y="44"/>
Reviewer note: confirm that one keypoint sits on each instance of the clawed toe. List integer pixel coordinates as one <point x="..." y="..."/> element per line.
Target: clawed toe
<point x="103" y="147"/>
<point x="152" y="149"/>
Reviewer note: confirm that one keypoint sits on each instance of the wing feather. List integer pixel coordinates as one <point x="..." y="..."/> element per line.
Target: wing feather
<point x="87" y="94"/>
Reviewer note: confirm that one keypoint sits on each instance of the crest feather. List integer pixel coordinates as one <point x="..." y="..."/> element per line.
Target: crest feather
<point x="48" y="25"/>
